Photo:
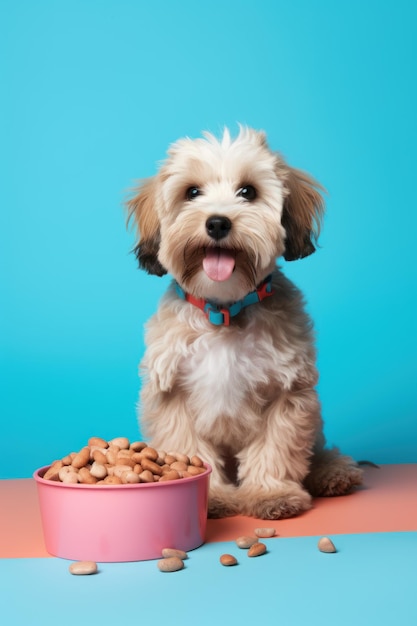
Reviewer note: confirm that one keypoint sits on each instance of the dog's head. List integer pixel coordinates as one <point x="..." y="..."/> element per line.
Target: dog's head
<point x="220" y="212"/>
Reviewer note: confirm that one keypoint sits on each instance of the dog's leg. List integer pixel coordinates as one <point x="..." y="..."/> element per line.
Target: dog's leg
<point x="222" y="497"/>
<point x="272" y="468"/>
<point x="168" y="424"/>
<point x="331" y="473"/>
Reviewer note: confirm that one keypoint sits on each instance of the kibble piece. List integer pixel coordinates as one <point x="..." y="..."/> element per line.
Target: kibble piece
<point x="181" y="458"/>
<point x="196" y="461"/>
<point x="99" y="457"/>
<point x="171" y="475"/>
<point x="228" y="560"/>
<point x="112" y="480"/>
<point x="167" y="552"/>
<point x="53" y="472"/>
<point x="265" y="532"/>
<point x="170" y="564"/>
<point x="130" y="478"/>
<point x="81" y="458"/>
<point x="257" y="549"/>
<point x="119" y="469"/>
<point x="111" y="455"/>
<point x="149" y="453"/>
<point x="125" y="454"/>
<point x="137" y="446"/>
<point x="153" y="467"/>
<point x="180" y="466"/>
<point x="70" y="478"/>
<point x="246" y="542"/>
<point x="125" y="461"/>
<point x="122" y="443"/>
<point x="85" y="477"/>
<point x="146" y="476"/>
<point x="98" y="441"/>
<point x="326" y="545"/>
<point x="98" y="470"/>
<point x="195" y="471"/>
<point x="83" y="568"/>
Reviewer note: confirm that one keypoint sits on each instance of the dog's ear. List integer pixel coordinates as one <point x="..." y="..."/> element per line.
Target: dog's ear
<point x="142" y="208"/>
<point x="302" y="214"/>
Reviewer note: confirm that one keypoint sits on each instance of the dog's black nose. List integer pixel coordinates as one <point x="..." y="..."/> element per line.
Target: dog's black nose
<point x="218" y="226"/>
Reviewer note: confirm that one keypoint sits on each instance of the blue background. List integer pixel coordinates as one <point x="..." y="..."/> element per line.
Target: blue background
<point x="92" y="94"/>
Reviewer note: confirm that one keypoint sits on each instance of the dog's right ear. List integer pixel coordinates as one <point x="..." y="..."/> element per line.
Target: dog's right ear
<point x="302" y="214"/>
<point x="142" y="208"/>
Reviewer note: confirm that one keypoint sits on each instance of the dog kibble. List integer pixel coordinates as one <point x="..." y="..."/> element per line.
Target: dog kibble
<point x="172" y="475"/>
<point x="70" y="478"/>
<point x="246" y="542"/>
<point x="170" y="564"/>
<point x="257" y="549"/>
<point x="149" y="453"/>
<point x="118" y="461"/>
<point x="265" y="533"/>
<point x="83" y="568"/>
<point x="167" y="552"/>
<point x="228" y="560"/>
<point x="98" y="470"/>
<point x="326" y="545"/>
<point x="121" y="442"/>
<point x="111" y="480"/>
<point x="180" y="466"/>
<point x="153" y="467"/>
<point x="98" y="442"/>
<point x="53" y="472"/>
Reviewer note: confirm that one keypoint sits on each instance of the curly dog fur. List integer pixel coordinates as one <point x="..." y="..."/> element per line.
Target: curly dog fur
<point x="217" y="217"/>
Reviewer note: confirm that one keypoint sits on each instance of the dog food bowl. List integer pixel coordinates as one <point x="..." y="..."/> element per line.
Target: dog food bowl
<point x="114" y="523"/>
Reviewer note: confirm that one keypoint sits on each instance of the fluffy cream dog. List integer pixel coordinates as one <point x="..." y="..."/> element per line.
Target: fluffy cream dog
<point x="229" y="370"/>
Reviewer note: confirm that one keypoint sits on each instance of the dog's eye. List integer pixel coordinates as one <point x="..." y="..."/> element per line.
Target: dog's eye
<point x="192" y="192"/>
<point x="248" y="192"/>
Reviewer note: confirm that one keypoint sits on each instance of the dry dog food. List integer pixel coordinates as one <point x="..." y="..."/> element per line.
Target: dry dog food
<point x="118" y="462"/>
<point x="83" y="568"/>
<point x="326" y="545"/>
<point x="170" y="564"/>
<point x="167" y="552"/>
<point x="228" y="560"/>
<point x="245" y="542"/>
<point x="257" y="549"/>
<point x="265" y="533"/>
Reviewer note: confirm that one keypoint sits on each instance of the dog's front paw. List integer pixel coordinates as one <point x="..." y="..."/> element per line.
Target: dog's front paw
<point x="279" y="505"/>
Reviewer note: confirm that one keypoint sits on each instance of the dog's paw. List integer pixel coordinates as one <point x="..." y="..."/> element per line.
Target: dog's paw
<point x="279" y="506"/>
<point x="218" y="508"/>
<point x="334" y="476"/>
<point x="340" y="481"/>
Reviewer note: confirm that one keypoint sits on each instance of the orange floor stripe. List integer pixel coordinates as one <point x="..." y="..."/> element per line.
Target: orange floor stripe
<point x="386" y="503"/>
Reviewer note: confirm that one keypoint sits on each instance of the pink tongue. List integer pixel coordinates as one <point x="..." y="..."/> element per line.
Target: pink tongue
<point x="218" y="264"/>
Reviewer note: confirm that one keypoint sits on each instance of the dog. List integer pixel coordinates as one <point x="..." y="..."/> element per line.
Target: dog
<point x="229" y="369"/>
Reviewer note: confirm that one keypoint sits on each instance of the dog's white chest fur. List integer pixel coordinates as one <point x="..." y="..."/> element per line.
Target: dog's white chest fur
<point x="223" y="368"/>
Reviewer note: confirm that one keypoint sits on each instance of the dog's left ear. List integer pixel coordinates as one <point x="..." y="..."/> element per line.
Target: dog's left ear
<point x="142" y="208"/>
<point x="302" y="214"/>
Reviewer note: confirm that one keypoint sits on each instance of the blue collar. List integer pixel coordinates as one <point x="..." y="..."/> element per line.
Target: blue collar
<point x="218" y="315"/>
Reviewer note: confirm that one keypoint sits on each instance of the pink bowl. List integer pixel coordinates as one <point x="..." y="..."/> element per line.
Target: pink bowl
<point x="111" y="523"/>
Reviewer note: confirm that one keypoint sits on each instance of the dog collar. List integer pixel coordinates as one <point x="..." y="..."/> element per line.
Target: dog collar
<point x="220" y="316"/>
